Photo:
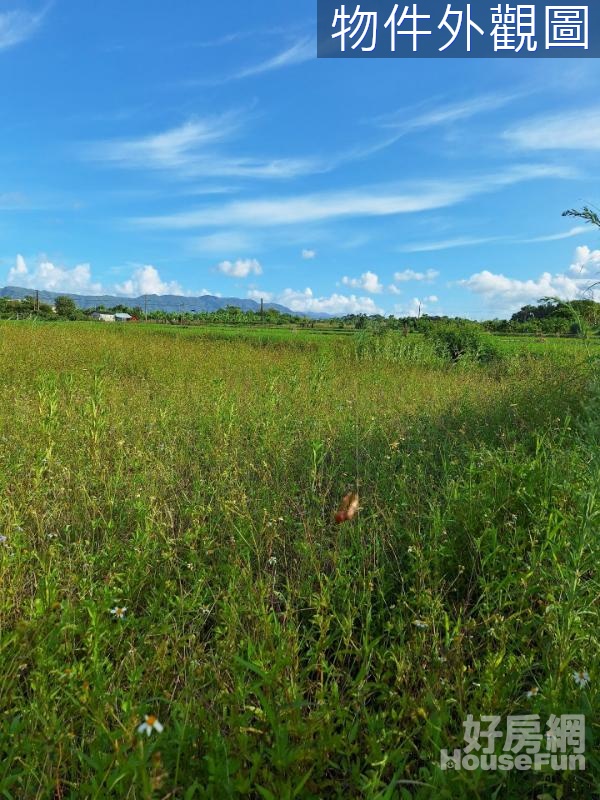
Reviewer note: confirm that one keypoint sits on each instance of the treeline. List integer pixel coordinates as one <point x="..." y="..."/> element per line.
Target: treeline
<point x="551" y="317"/>
<point x="65" y="308"/>
<point x="548" y="317"/>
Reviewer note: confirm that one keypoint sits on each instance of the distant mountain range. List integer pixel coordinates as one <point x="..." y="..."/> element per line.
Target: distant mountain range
<point x="173" y="303"/>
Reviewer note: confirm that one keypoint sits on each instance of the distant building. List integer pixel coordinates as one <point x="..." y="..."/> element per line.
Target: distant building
<point x="123" y="317"/>
<point x="101" y="317"/>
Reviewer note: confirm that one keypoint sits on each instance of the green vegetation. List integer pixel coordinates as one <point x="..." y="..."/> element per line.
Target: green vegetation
<point x="462" y="341"/>
<point x="550" y="317"/>
<point x="65" y="307"/>
<point x="192" y="479"/>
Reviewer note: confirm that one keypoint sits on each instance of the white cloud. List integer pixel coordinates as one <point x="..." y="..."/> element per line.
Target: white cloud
<point x="413" y="120"/>
<point x="146" y="280"/>
<point x="17" y="26"/>
<point x="407" y="121"/>
<point x="256" y="294"/>
<point x="169" y="149"/>
<point x="240" y="268"/>
<point x="410" y="275"/>
<point x="466" y="241"/>
<point x="394" y="289"/>
<point x="297" y="53"/>
<point x="578" y="130"/>
<point x="301" y="51"/>
<point x="20" y="268"/>
<point x="223" y="242"/>
<point x="447" y="244"/>
<point x="585" y="261"/>
<point x="78" y="280"/>
<point x="369" y="202"/>
<point x="307" y="255"/>
<point x="46" y="275"/>
<point x="368" y="282"/>
<point x="298" y="300"/>
<point x="556" y="237"/>
<point x="416" y="308"/>
<point x="509" y="294"/>
<point x="334" y="304"/>
<point x="187" y="151"/>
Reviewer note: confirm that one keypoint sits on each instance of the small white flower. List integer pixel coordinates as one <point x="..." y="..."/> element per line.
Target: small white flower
<point x="272" y="562"/>
<point x="52" y="536"/>
<point x="418" y="623"/>
<point x="149" y="724"/>
<point x="118" y="612"/>
<point x="3" y="539"/>
<point x="533" y="692"/>
<point x="581" y="678"/>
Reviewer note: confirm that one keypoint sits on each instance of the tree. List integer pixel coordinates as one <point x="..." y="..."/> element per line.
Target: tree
<point x="65" y="306"/>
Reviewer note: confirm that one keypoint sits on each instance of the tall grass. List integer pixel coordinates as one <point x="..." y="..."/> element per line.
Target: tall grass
<point x="193" y="481"/>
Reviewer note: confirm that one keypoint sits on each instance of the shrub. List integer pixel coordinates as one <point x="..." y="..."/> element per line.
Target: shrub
<point x="457" y="341"/>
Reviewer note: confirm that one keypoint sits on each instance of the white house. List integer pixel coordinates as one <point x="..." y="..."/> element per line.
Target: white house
<point x="98" y="315"/>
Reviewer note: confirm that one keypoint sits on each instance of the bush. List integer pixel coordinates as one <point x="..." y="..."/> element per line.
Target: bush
<point x="458" y="341"/>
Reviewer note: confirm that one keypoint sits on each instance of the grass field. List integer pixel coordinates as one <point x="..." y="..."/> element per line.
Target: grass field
<point x="192" y="478"/>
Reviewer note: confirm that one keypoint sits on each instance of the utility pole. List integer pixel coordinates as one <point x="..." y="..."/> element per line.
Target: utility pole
<point x="146" y="308"/>
<point x="37" y="301"/>
<point x="262" y="310"/>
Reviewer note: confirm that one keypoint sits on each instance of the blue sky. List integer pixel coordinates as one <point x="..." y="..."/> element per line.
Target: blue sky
<point x="153" y="147"/>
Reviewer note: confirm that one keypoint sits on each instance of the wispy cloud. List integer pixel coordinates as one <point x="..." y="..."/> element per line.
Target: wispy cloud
<point x="249" y="33"/>
<point x="472" y="241"/>
<point x="171" y="149"/>
<point x="556" y="237"/>
<point x="446" y="244"/>
<point x="404" y="122"/>
<point x="189" y="151"/>
<point x="575" y="130"/>
<point x="18" y="26"/>
<point x="370" y="202"/>
<point x="222" y="242"/>
<point x="299" y="52"/>
<point x="410" y="120"/>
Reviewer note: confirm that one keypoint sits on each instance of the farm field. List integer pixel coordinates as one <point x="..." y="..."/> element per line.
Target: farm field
<point x="191" y="476"/>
